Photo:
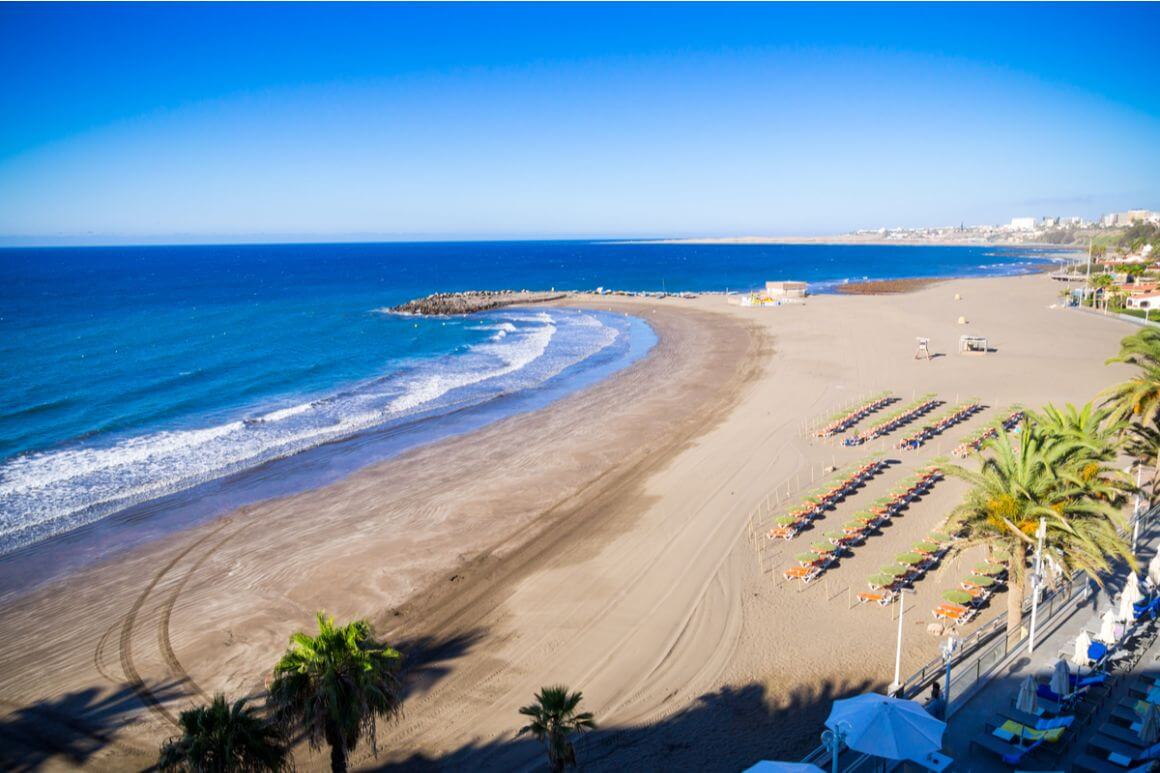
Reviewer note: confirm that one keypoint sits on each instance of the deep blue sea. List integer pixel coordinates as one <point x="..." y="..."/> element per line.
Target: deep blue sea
<point x="132" y="373"/>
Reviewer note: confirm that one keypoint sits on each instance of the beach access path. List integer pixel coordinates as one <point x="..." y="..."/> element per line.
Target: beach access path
<point x="602" y="543"/>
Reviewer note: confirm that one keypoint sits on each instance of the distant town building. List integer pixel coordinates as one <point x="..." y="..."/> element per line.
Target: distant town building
<point x="1022" y="224"/>
<point x="1050" y="222"/>
<point x="1131" y="217"/>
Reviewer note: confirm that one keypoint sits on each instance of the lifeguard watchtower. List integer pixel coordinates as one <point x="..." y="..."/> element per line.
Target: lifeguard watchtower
<point x="923" y="351"/>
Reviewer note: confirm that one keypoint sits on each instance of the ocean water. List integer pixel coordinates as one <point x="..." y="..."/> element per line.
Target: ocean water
<point x="130" y="374"/>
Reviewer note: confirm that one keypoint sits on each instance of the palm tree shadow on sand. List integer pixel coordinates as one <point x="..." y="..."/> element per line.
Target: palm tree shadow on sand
<point x="427" y="659"/>
<point x="727" y="730"/>
<point x="71" y="728"/>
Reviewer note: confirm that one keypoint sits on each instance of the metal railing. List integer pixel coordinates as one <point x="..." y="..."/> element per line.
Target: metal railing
<point x="981" y="651"/>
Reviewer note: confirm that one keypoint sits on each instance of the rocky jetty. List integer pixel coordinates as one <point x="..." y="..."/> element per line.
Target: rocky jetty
<point x="475" y="300"/>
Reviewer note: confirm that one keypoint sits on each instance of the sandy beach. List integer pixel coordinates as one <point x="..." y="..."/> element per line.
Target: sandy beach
<point x="603" y="542"/>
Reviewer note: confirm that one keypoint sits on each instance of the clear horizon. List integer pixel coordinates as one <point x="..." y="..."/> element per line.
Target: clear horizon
<point x="315" y="123"/>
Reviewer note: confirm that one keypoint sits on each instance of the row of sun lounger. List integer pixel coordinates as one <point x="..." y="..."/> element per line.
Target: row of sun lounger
<point x="903" y="416"/>
<point x="1129" y="740"/>
<point x="815" y="504"/>
<point x="974" y="442"/>
<point x="843" y="420"/>
<point x="961" y="605"/>
<point x="909" y="568"/>
<point x="1014" y="735"/>
<point x="941" y="424"/>
<point x="824" y="553"/>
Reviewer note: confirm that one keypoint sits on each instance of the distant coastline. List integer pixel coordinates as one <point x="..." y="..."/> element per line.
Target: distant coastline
<point x="854" y="239"/>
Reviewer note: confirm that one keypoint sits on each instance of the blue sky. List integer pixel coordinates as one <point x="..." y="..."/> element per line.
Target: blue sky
<point x="240" y="122"/>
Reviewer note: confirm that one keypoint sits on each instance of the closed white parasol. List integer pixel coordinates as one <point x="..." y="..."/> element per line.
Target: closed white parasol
<point x="1082" y="643"/>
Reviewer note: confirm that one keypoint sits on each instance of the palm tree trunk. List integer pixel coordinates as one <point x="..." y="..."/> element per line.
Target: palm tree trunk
<point x="337" y="749"/>
<point x="1155" y="478"/>
<point x="1015" y="593"/>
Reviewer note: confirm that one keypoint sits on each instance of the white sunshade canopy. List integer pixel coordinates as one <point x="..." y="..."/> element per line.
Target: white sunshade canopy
<point x="1129" y="597"/>
<point x="881" y="726"/>
<point x="1028" y="698"/>
<point x="773" y="766"/>
<point x="1107" y="633"/>
<point x="1082" y="643"/>
<point x="1154" y="570"/>
<point x="1061" y="677"/>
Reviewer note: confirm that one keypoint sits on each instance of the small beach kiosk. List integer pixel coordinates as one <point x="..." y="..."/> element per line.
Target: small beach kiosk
<point x="785" y="290"/>
<point x="774" y="294"/>
<point x="972" y="345"/>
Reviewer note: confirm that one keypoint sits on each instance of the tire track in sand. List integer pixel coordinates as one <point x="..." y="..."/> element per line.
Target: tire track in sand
<point x="164" y="642"/>
<point x="491" y="679"/>
<point x="128" y="665"/>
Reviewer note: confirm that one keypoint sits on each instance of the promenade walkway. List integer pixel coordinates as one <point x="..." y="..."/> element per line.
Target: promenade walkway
<point x="968" y="720"/>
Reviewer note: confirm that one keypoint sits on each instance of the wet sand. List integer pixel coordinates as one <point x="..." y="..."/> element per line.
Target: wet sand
<point x="602" y="542"/>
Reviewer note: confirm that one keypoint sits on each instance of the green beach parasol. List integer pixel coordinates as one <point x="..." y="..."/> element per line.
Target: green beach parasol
<point x="806" y="558"/>
<point x="894" y="571"/>
<point x="835" y="535"/>
<point x="939" y="537"/>
<point x="988" y="570"/>
<point x="854" y="523"/>
<point x="980" y="581"/>
<point x="909" y="559"/>
<point x="787" y="520"/>
<point x="925" y="547"/>
<point x="957" y="596"/>
<point x="822" y="547"/>
<point x="881" y="580"/>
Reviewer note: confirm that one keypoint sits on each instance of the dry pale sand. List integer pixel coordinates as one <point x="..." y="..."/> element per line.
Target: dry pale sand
<point x="602" y="543"/>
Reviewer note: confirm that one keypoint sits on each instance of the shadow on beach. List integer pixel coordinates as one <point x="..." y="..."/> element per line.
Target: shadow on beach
<point x="427" y="659"/>
<point x="727" y="730"/>
<point x="71" y="728"/>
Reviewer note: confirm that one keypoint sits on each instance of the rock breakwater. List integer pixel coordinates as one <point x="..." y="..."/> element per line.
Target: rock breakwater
<point x="472" y="301"/>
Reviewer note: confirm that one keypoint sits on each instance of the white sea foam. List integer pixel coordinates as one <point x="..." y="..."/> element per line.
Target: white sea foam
<point x="286" y="413"/>
<point x="509" y="358"/>
<point x="50" y="492"/>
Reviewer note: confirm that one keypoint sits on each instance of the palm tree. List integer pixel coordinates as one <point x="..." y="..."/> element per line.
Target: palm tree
<point x="1056" y="478"/>
<point x="1090" y="426"/>
<point x="221" y="737"/>
<point x="553" y="719"/>
<point x="1143" y="443"/>
<point x="1138" y="398"/>
<point x="335" y="685"/>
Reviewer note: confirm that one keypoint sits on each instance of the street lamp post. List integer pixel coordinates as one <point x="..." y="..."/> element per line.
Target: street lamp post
<point x="1036" y="581"/>
<point x="949" y="647"/>
<point x="833" y="740"/>
<point x="898" y="649"/>
<point x="1136" y="511"/>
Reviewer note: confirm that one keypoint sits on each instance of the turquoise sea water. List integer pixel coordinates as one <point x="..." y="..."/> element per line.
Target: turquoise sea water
<point x="133" y="373"/>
